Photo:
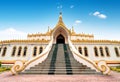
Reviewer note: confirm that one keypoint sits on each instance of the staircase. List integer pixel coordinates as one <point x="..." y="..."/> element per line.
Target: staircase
<point x="60" y="61"/>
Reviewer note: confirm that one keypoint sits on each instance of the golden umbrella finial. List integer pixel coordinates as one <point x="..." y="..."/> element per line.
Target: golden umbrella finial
<point x="60" y="13"/>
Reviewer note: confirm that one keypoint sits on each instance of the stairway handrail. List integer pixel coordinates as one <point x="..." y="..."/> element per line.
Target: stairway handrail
<point x="100" y="67"/>
<point x="19" y="65"/>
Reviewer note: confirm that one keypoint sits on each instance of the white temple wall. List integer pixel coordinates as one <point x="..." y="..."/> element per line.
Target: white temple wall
<point x="29" y="53"/>
<point x="91" y="53"/>
<point x="90" y="48"/>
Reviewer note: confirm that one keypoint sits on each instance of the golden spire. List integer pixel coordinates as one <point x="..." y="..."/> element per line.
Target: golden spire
<point x="60" y="21"/>
<point x="60" y="17"/>
<point x="72" y="29"/>
<point x="48" y="29"/>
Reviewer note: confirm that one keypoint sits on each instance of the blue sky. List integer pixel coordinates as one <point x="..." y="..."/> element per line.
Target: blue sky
<point x="98" y="17"/>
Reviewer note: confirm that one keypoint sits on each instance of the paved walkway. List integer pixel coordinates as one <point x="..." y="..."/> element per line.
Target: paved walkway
<point x="7" y="77"/>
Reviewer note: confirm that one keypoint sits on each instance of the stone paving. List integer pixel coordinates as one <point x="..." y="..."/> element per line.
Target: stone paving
<point x="7" y="77"/>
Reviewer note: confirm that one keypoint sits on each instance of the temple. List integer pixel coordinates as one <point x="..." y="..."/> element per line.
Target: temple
<point x="58" y="45"/>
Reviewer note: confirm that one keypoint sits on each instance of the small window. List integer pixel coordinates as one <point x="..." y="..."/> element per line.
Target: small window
<point x="107" y="51"/>
<point x="13" y="51"/>
<point x="35" y="51"/>
<point x="96" y="51"/>
<point x="85" y="51"/>
<point x="4" y="51"/>
<point x="101" y="51"/>
<point x="19" y="51"/>
<point x="116" y="51"/>
<point x="41" y="49"/>
<point x="80" y="50"/>
<point x="25" y="51"/>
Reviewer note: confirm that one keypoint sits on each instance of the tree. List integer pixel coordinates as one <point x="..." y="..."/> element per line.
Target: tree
<point x="0" y="63"/>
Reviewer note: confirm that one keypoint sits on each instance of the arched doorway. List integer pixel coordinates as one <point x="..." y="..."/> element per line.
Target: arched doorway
<point x="60" y="39"/>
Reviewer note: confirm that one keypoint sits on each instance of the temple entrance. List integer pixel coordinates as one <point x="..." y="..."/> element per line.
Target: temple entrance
<point x="60" y="39"/>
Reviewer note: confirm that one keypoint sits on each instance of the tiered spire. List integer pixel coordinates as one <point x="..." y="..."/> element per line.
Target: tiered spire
<point x="60" y="17"/>
<point x="72" y="30"/>
<point x="60" y="21"/>
<point x="48" y="29"/>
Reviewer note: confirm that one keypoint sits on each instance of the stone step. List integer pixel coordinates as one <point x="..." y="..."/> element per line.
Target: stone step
<point x="63" y="67"/>
<point x="62" y="73"/>
<point x="60" y="65"/>
<point x="60" y="61"/>
<point x="61" y="70"/>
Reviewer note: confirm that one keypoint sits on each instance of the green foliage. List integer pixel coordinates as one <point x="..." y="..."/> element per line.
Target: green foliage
<point x="2" y="69"/>
<point x="7" y="69"/>
<point x="0" y="63"/>
<point x="117" y="68"/>
<point x="113" y="68"/>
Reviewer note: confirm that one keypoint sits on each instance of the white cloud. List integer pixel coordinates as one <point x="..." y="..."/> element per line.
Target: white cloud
<point x="99" y="15"/>
<point x="96" y="13"/>
<point x="59" y="7"/>
<point x="77" y="22"/>
<point x="72" y="6"/>
<point x="11" y="33"/>
<point x="102" y="16"/>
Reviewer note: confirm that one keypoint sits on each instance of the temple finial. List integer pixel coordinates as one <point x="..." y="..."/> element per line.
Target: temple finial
<point x="60" y="17"/>
<point x="60" y="13"/>
<point x="60" y="21"/>
<point x="48" y="29"/>
<point x="72" y="29"/>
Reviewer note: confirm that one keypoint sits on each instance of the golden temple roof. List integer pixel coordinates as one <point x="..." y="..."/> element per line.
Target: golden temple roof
<point x="95" y="41"/>
<point x="83" y="35"/>
<point x="24" y="41"/>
